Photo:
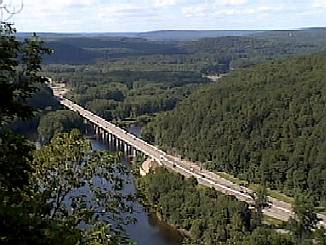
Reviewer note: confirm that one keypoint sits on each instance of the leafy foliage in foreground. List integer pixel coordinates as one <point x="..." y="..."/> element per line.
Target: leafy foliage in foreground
<point x="81" y="186"/>
<point x="63" y="193"/>
<point x="20" y="64"/>
<point x="265" y="125"/>
<point x="74" y="195"/>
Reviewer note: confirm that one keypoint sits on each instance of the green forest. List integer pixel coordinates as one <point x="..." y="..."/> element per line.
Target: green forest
<point x="208" y="217"/>
<point x="59" y="121"/>
<point x="263" y="122"/>
<point x="42" y="199"/>
<point x="265" y="125"/>
<point x="123" y="94"/>
<point x="135" y="77"/>
<point x="242" y="48"/>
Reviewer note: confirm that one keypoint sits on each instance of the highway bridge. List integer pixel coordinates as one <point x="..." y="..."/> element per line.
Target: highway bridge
<point x="277" y="209"/>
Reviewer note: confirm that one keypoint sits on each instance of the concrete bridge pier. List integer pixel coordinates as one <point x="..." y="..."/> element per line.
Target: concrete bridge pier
<point x="103" y="135"/>
<point x="110" y="138"/>
<point x="134" y="152"/>
<point x="106" y="135"/>
<point x="85" y="121"/>
<point x="97" y="132"/>
<point x="121" y="145"/>
<point x="117" y="143"/>
<point x="129" y="150"/>
<point x="86" y="126"/>
<point x="125" y="148"/>
<point x="114" y="142"/>
<point x="100" y="133"/>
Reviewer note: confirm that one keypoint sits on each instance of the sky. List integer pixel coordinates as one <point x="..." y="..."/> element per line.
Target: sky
<point x="149" y="15"/>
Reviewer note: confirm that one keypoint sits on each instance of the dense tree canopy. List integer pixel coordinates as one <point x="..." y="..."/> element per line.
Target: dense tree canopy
<point x="58" y="121"/>
<point x="124" y="93"/>
<point x="126" y="83"/>
<point x="264" y="124"/>
<point x="51" y="196"/>
<point x="208" y="216"/>
<point x="19" y="67"/>
<point x="42" y="102"/>
<point x="20" y="64"/>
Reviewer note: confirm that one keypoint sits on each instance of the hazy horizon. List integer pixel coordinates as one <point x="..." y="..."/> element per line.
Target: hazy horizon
<point x="176" y="30"/>
<point x="111" y="16"/>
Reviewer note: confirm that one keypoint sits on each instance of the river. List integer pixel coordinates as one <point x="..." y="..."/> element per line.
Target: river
<point x="147" y="230"/>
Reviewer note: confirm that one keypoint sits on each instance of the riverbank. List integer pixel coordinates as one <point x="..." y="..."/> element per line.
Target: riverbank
<point x="201" y="214"/>
<point x="156" y="215"/>
<point x="151" y="207"/>
<point x="147" y="229"/>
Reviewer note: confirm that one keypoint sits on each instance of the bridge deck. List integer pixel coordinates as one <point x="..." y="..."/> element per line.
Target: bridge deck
<point x="277" y="209"/>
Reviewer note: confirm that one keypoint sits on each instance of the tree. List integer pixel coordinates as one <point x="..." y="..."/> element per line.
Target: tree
<point x="19" y="68"/>
<point x="59" y="121"/>
<point x="69" y="174"/>
<point x="42" y="193"/>
<point x="320" y="236"/>
<point x="305" y="219"/>
<point x="15" y="154"/>
<point x="262" y="236"/>
<point x="261" y="201"/>
<point x="260" y="124"/>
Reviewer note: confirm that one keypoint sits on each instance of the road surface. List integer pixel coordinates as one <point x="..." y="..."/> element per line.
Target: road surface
<point x="277" y="209"/>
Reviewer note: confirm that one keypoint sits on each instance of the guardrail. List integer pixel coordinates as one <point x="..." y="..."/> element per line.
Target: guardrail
<point x="161" y="157"/>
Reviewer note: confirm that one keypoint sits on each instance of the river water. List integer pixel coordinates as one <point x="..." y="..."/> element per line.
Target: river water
<point x="147" y="230"/>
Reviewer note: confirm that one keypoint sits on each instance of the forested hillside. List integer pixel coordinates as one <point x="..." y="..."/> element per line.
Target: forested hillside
<point x="121" y="90"/>
<point x="208" y="217"/>
<point x="265" y="124"/>
<point x="209" y="49"/>
<point x="135" y="77"/>
<point x="87" y="50"/>
<point x="247" y="51"/>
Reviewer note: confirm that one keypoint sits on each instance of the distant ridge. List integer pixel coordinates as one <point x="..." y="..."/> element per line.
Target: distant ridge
<point x="168" y="35"/>
<point x="161" y="35"/>
<point x="184" y="35"/>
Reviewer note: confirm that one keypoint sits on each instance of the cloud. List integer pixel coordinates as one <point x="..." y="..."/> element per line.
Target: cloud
<point x="58" y="4"/>
<point x="54" y="11"/>
<point x="163" y="3"/>
<point x="231" y="8"/>
<point x="231" y="2"/>
<point x="319" y="4"/>
<point x="118" y="9"/>
<point x="210" y="7"/>
<point x="142" y="15"/>
<point x="195" y="10"/>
